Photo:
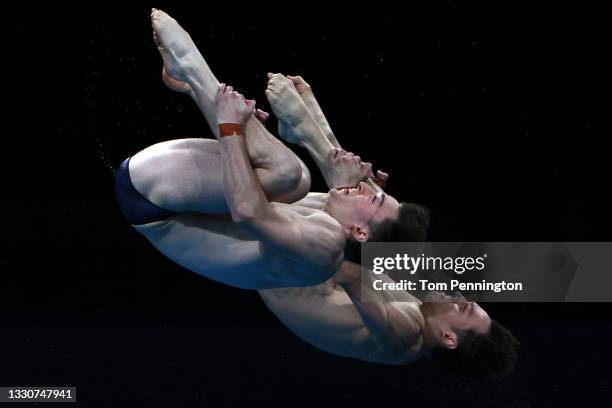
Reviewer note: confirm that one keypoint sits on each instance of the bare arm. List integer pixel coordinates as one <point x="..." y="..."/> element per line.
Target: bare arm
<point x="392" y="317"/>
<point x="308" y="240"/>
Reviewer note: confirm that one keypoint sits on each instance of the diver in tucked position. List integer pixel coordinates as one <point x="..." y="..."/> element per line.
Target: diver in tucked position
<point x="238" y="210"/>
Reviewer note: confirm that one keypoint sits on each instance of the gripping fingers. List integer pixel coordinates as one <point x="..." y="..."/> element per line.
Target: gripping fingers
<point x="221" y="90"/>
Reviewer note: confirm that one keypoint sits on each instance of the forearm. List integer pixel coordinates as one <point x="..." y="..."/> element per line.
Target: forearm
<point x="243" y="193"/>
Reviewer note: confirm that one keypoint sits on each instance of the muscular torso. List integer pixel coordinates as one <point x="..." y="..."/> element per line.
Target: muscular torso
<point x="321" y="314"/>
<point x="325" y="317"/>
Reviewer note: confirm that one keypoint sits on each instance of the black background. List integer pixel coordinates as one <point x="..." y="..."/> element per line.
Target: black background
<point x="491" y="115"/>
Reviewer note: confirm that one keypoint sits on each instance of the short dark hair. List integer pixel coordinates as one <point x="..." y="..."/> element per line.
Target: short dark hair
<point x="491" y="355"/>
<point x="411" y="225"/>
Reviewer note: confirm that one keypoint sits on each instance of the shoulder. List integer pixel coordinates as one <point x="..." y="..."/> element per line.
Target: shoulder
<point x="318" y="238"/>
<point x="326" y="239"/>
<point x="305" y="217"/>
<point x="407" y="321"/>
<point x="330" y="229"/>
<point x="313" y="201"/>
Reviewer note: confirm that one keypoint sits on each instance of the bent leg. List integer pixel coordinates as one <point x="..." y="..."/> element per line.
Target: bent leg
<point x="201" y="243"/>
<point x="185" y="175"/>
<point x="282" y="174"/>
<point x="277" y="167"/>
<point x="180" y="175"/>
<point x="305" y="91"/>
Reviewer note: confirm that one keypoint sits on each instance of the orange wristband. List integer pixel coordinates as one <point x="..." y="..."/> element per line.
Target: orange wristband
<point x="230" y="129"/>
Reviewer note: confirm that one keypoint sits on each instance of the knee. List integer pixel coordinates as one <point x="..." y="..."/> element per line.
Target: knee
<point x="289" y="175"/>
<point x="295" y="181"/>
<point x="303" y="187"/>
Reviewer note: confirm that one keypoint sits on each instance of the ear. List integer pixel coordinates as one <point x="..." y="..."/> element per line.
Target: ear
<point x="449" y="339"/>
<point x="359" y="234"/>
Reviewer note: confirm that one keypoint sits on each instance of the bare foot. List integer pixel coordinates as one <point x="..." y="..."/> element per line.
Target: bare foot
<point x="172" y="83"/>
<point x="295" y="123"/>
<point x="301" y="86"/>
<point x="170" y="65"/>
<point x="305" y="92"/>
<point x="179" y="53"/>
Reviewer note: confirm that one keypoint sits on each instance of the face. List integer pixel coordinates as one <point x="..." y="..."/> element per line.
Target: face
<point x="447" y="316"/>
<point x="359" y="208"/>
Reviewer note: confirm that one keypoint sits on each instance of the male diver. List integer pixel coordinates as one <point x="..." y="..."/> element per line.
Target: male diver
<point x="238" y="210"/>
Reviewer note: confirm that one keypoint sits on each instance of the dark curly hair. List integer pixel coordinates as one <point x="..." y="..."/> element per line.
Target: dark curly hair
<point x="411" y="225"/>
<point x="482" y="356"/>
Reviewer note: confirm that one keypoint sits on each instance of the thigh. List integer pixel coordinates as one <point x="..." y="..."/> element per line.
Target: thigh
<point x="181" y="175"/>
<point x="211" y="246"/>
<point x="186" y="175"/>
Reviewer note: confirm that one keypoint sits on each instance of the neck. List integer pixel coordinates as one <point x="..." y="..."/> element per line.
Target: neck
<point x="426" y="339"/>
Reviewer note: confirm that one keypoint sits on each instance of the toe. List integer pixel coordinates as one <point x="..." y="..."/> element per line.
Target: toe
<point x="250" y="103"/>
<point x="263" y="115"/>
<point x="270" y="95"/>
